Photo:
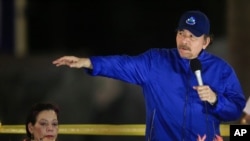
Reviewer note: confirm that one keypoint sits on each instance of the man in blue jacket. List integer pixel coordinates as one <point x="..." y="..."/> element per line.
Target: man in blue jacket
<point x="178" y="108"/>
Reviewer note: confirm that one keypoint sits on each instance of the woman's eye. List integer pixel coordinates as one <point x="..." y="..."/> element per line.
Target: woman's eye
<point x="43" y="123"/>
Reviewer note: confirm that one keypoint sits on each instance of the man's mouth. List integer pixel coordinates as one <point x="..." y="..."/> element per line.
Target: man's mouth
<point x="184" y="48"/>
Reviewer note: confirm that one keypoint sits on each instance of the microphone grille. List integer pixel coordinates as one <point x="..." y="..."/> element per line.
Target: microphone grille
<point x="195" y="64"/>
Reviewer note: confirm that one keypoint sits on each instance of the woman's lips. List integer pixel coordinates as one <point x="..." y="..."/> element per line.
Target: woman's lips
<point x="49" y="136"/>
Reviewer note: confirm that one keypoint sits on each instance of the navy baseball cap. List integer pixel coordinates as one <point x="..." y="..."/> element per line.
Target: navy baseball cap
<point x="196" y="22"/>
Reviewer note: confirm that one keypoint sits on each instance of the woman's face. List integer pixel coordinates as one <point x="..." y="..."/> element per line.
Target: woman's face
<point x="46" y="126"/>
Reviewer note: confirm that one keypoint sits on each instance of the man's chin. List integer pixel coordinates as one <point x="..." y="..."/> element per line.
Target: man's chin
<point x="183" y="56"/>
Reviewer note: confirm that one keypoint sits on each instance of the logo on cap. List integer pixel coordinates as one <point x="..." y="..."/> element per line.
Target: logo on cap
<point x="190" y="21"/>
<point x="196" y="22"/>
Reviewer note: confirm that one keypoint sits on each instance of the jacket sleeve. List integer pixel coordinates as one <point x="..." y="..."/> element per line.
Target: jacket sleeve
<point x="230" y="100"/>
<point x="132" y="69"/>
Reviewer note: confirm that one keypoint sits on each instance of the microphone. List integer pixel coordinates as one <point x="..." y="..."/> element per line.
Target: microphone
<point x="196" y="68"/>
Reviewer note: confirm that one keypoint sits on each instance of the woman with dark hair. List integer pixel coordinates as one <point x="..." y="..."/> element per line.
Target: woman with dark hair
<point x="42" y="122"/>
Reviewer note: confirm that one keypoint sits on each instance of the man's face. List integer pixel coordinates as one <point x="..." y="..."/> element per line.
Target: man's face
<point x="189" y="46"/>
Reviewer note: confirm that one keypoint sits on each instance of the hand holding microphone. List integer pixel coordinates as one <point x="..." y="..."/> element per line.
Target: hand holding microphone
<point x="204" y="91"/>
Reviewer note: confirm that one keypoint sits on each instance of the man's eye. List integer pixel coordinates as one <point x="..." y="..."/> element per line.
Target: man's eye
<point x="180" y="33"/>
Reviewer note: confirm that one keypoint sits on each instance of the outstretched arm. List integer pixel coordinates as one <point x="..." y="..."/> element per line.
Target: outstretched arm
<point x="73" y="62"/>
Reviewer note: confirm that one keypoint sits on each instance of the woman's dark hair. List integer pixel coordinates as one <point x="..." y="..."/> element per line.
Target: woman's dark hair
<point x="35" y="110"/>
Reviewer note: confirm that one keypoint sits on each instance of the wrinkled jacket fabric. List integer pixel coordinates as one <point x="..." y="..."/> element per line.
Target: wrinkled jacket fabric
<point x="174" y="112"/>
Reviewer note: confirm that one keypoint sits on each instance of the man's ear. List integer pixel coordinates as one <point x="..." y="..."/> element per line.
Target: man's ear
<point x="206" y="42"/>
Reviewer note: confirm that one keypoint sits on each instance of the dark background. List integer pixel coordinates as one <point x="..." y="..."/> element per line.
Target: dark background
<point x="81" y="28"/>
<point x="106" y="27"/>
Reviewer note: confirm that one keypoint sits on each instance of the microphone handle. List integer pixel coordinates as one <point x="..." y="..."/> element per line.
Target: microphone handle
<point x="198" y="77"/>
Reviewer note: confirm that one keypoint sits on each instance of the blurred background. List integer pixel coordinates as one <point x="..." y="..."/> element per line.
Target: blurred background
<point x="35" y="32"/>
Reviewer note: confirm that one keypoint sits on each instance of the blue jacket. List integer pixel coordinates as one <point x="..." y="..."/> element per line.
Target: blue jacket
<point x="174" y="112"/>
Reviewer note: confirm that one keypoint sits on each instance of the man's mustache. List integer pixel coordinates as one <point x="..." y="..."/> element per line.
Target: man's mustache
<point x="184" y="47"/>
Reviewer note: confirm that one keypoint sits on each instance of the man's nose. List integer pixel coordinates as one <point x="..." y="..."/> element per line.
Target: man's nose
<point x="184" y="40"/>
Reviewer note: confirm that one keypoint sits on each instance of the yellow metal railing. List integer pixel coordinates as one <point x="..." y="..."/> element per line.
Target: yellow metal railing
<point x="96" y="129"/>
